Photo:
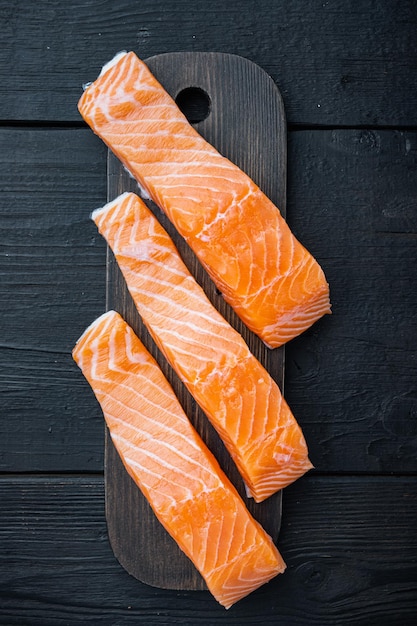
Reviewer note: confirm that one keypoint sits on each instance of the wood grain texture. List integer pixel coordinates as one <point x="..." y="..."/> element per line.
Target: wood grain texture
<point x="254" y="137"/>
<point x="51" y="282"/>
<point x="336" y="62"/>
<point x="351" y="379"/>
<point x="57" y="566"/>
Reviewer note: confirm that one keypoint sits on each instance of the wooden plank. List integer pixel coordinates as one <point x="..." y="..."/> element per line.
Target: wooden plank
<point x="351" y="379"/>
<point x="350" y="545"/>
<point x="336" y="63"/>
<point x="52" y="285"/>
<point x="254" y="137"/>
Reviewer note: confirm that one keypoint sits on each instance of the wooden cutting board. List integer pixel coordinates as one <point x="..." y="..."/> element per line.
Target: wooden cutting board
<point x="237" y="107"/>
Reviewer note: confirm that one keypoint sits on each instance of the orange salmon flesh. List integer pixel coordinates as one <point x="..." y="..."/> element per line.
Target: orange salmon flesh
<point x="166" y="458"/>
<point x="234" y="390"/>
<point x="273" y="283"/>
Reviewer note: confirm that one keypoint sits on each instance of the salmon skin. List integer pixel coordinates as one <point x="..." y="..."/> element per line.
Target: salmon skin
<point x="166" y="458"/>
<point x="234" y="390"/>
<point x="273" y="283"/>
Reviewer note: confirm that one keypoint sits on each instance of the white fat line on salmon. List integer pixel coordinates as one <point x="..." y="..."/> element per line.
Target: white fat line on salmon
<point x="180" y="170"/>
<point x="144" y="194"/>
<point x="126" y="373"/>
<point x="232" y="532"/>
<point x="256" y="294"/>
<point x="220" y="164"/>
<point x="143" y="248"/>
<point x="188" y="189"/>
<point x="150" y="437"/>
<point x="94" y="327"/>
<point x="244" y="585"/>
<point x="175" y="471"/>
<point x="143" y="416"/>
<point x="93" y="335"/>
<point x="208" y="206"/>
<point x="97" y="213"/>
<point x="95" y="361"/>
<point x="147" y="411"/>
<point x="142" y="251"/>
<point x="116" y="79"/>
<point x="161" y="132"/>
<point x="107" y="66"/>
<point x="151" y="235"/>
<point x="290" y="320"/>
<point x="214" y="318"/>
<point x="135" y="356"/>
<point x="118" y="98"/>
<point x="221" y="216"/>
<point x="188" y="166"/>
<point x="115" y="354"/>
<point x="264" y="489"/>
<point x="141" y="378"/>
<point x="141" y="108"/>
<point x="171" y="302"/>
<point x="178" y="289"/>
<point x="311" y="311"/>
<point x="190" y="437"/>
<point x="196" y="340"/>
<point x="113" y="212"/>
<point x="191" y="150"/>
<point x="251" y="449"/>
<point x="184" y="181"/>
<point x="158" y="325"/>
<point x="235" y="592"/>
<point x="168" y="126"/>
<point x="182" y="356"/>
<point x="239" y="556"/>
<point x="149" y="488"/>
<point x="215" y="541"/>
<point x="294" y="270"/>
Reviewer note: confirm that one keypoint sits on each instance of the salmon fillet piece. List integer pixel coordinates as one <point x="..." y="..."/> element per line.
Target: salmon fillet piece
<point x="273" y="283"/>
<point x="234" y="390"/>
<point x="166" y="458"/>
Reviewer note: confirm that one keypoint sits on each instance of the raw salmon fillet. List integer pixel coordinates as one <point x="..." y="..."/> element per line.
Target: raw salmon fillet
<point x="273" y="283"/>
<point x="166" y="458"/>
<point x="234" y="390"/>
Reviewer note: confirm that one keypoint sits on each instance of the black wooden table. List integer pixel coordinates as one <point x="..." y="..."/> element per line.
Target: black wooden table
<point x="347" y="72"/>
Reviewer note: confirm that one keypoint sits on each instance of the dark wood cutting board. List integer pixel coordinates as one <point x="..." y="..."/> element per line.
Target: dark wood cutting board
<point x="244" y="119"/>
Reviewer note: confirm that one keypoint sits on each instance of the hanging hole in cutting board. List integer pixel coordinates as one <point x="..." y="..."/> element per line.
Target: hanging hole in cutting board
<point x="195" y="103"/>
